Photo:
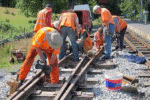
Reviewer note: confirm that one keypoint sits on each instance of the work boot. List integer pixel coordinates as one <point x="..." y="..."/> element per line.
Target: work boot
<point x="104" y="58"/>
<point x="124" y="46"/>
<point x="48" y="70"/>
<point x="20" y="83"/>
<point x="117" y="47"/>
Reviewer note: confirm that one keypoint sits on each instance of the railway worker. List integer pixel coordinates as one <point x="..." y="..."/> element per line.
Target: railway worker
<point x="98" y="39"/>
<point x="69" y="23"/>
<point x="84" y="42"/>
<point x="48" y="40"/>
<point x="108" y="28"/>
<point x="43" y="18"/>
<point x="120" y="29"/>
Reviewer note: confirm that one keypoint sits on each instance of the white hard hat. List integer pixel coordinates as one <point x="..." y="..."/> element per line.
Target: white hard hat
<point x="95" y="8"/>
<point x="54" y="39"/>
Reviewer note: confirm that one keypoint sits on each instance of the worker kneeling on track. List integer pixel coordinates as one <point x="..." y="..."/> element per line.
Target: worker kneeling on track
<point x="98" y="39"/>
<point x="49" y="41"/>
<point x="84" y="42"/>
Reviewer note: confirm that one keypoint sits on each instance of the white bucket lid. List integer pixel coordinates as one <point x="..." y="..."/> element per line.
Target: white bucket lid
<point x="113" y="75"/>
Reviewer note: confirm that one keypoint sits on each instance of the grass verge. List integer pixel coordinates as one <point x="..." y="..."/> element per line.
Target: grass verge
<point x="5" y="52"/>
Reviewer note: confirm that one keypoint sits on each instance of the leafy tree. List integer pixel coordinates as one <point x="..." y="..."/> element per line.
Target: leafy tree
<point x="8" y="3"/>
<point x="132" y="8"/>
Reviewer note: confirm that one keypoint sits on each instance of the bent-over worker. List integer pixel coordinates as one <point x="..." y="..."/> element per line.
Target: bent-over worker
<point x="98" y="39"/>
<point x="68" y="24"/>
<point x="49" y="41"/>
<point x="120" y="30"/>
<point x="84" y="41"/>
<point x="108" y="28"/>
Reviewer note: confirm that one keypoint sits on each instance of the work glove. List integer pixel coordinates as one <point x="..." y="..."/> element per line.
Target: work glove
<point x="48" y="70"/>
<point x="40" y="65"/>
<point x="20" y="83"/>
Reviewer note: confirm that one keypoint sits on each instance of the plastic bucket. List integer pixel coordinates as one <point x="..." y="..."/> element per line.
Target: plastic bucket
<point x="114" y="80"/>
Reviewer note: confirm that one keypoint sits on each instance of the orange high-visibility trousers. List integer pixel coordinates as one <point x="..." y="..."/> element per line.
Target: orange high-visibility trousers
<point x="54" y="74"/>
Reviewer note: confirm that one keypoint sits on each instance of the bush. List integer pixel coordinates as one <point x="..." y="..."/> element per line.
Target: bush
<point x="12" y="13"/>
<point x="30" y="21"/>
<point x="55" y="17"/>
<point x="34" y="21"/>
<point x="7" y="20"/>
<point x="6" y="27"/>
<point x="6" y="11"/>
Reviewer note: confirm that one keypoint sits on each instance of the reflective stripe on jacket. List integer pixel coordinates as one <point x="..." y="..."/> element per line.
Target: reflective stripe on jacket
<point x="106" y="16"/>
<point x="68" y="19"/>
<point x="39" y="40"/>
<point x="41" y="19"/>
<point x="121" y="23"/>
<point x="99" y="39"/>
<point x="87" y="42"/>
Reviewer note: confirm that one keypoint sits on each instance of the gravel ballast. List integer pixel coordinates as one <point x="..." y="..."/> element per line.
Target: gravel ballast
<point x="100" y="90"/>
<point x="128" y="92"/>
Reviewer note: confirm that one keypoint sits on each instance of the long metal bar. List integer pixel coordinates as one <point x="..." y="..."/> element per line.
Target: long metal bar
<point x="83" y="71"/>
<point x="138" y="52"/>
<point x="138" y="39"/>
<point x="31" y="80"/>
<point x="24" y="86"/>
<point x="67" y="83"/>
<point x="23" y="94"/>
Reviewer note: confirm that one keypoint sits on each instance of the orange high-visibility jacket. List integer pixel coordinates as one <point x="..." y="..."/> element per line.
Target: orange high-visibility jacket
<point x="106" y="16"/>
<point x="99" y="39"/>
<point x="68" y="19"/>
<point x="39" y="40"/>
<point x="87" y="42"/>
<point x="121" y="24"/>
<point x="41" y="19"/>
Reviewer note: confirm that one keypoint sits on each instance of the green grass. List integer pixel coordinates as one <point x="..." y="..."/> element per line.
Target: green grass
<point x="5" y="52"/>
<point x="17" y="21"/>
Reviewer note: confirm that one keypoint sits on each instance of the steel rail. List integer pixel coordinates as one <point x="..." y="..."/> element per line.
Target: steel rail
<point x="26" y="84"/>
<point x="138" y="39"/>
<point x="23" y="95"/>
<point x="137" y="50"/>
<point x="67" y="83"/>
<point x="78" y="76"/>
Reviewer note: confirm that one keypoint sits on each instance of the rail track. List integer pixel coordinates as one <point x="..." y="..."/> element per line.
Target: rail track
<point x="77" y="86"/>
<point x="35" y="89"/>
<point x="140" y="47"/>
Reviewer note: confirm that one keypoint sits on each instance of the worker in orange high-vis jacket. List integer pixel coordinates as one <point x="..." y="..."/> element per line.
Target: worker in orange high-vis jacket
<point x="84" y="42"/>
<point x="43" y="18"/>
<point x="120" y="30"/>
<point x="69" y="23"/>
<point x="49" y="41"/>
<point x="98" y="39"/>
<point x="108" y="28"/>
